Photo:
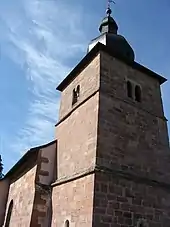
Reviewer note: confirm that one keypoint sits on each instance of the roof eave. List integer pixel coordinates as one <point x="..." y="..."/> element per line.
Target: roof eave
<point x="23" y="159"/>
<point x="90" y="56"/>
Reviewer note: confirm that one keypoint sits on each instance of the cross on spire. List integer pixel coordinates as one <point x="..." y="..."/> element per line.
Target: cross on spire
<point x="109" y="11"/>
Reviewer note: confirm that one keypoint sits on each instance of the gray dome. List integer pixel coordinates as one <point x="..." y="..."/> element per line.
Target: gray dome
<point x="108" y="24"/>
<point x="117" y="44"/>
<point x="120" y="47"/>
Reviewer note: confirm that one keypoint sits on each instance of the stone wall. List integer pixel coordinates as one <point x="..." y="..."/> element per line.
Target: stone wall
<point x="22" y="192"/>
<point x="77" y="139"/>
<point x="73" y="201"/>
<point x="113" y="76"/>
<point x="124" y="140"/>
<point x="4" y="188"/>
<point x="88" y="79"/>
<point x="121" y="202"/>
<point x="77" y="133"/>
<point x="46" y="165"/>
<point x="132" y="136"/>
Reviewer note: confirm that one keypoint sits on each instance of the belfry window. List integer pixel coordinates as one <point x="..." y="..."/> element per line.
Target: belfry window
<point x="129" y="89"/>
<point x="67" y="223"/>
<point x="76" y="94"/>
<point x="138" y="93"/>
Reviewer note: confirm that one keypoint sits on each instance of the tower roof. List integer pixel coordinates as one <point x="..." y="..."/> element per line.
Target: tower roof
<point x="109" y="25"/>
<point x="99" y="47"/>
<point x="110" y="37"/>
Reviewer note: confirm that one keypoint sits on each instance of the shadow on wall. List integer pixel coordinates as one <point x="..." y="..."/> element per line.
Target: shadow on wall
<point x="49" y="212"/>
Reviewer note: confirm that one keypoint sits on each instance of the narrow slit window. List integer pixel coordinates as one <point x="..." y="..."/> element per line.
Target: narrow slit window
<point x="138" y="93"/>
<point x="67" y="223"/>
<point x="8" y="218"/>
<point x="78" y="91"/>
<point x="76" y="94"/>
<point x="74" y="99"/>
<point x="129" y="89"/>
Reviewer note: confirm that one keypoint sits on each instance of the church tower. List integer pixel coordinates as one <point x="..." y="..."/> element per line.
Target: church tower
<point x="113" y="157"/>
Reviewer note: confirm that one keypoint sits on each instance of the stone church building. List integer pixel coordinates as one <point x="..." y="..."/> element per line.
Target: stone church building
<point x="110" y="163"/>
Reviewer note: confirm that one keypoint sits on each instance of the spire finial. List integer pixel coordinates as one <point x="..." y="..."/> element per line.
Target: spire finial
<point x="109" y="11"/>
<point x="108" y="23"/>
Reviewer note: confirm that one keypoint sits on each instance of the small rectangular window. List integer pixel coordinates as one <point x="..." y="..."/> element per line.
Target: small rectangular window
<point x="75" y="95"/>
<point x="138" y="93"/>
<point x="129" y="89"/>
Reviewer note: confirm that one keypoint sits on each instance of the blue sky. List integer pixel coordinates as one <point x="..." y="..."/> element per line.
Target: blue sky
<point x="42" y="40"/>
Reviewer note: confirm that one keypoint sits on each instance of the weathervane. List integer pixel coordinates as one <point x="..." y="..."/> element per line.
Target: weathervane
<point x="109" y="11"/>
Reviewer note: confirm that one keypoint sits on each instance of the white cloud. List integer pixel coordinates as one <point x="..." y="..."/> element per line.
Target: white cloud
<point x="43" y="35"/>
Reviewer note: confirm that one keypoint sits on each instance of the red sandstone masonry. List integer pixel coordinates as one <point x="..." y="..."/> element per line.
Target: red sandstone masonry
<point x="132" y="141"/>
<point x="42" y="204"/>
<point x="89" y="82"/>
<point x="73" y="201"/>
<point x="22" y="193"/>
<point x="77" y="134"/>
<point x="132" y="136"/>
<point x="30" y="189"/>
<point x="127" y="143"/>
<point x="121" y="203"/>
<point x="42" y="208"/>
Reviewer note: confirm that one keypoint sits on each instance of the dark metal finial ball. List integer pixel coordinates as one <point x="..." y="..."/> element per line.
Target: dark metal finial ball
<point x="108" y="11"/>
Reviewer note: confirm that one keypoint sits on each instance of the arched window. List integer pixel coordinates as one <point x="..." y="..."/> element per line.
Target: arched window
<point x="76" y="94"/>
<point x="138" y="93"/>
<point x="142" y="223"/>
<point x="8" y="217"/>
<point x="74" y="98"/>
<point x="67" y="223"/>
<point x="129" y="89"/>
<point x="78" y="91"/>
